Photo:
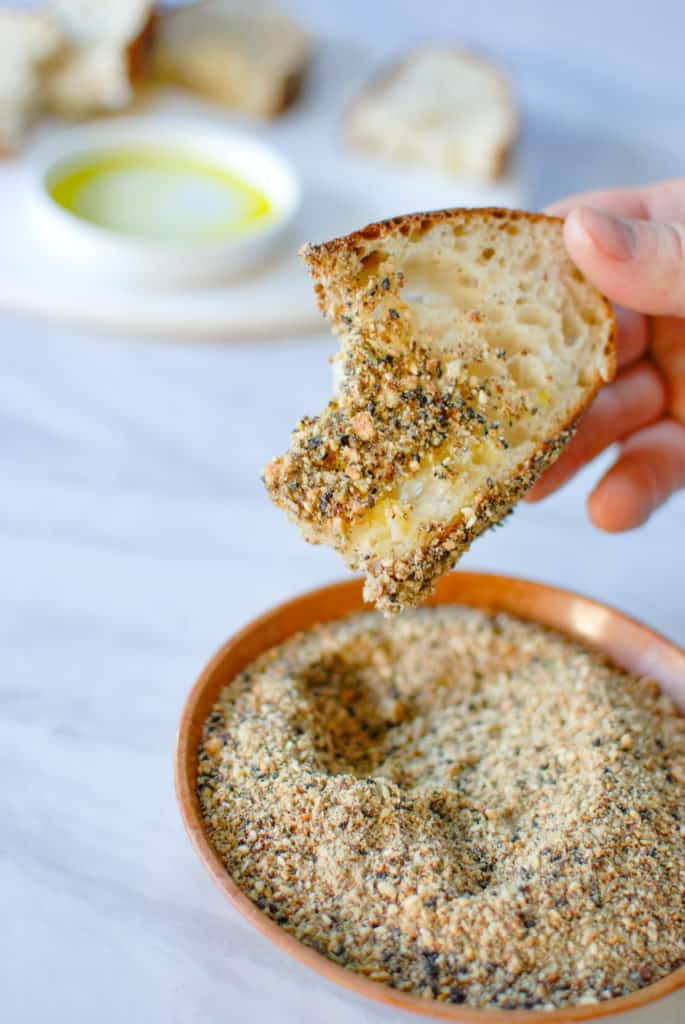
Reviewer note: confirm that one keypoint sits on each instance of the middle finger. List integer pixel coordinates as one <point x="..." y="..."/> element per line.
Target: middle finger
<point x="635" y="399"/>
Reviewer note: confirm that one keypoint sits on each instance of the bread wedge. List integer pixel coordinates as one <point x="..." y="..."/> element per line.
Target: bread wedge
<point x="27" y="41"/>
<point x="470" y="345"/>
<point x="440" y="108"/>
<point x="251" y="58"/>
<point x="102" y="58"/>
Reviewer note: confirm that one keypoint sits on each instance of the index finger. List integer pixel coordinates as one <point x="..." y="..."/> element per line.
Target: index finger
<point x="624" y="202"/>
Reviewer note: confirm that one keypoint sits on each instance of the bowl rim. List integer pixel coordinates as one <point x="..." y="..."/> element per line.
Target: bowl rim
<point x="573" y="614"/>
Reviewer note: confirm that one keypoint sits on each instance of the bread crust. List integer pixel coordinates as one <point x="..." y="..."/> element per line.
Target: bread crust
<point x="394" y="69"/>
<point x="140" y="49"/>
<point x="292" y="89"/>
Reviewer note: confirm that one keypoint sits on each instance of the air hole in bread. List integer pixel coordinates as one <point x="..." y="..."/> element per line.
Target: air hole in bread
<point x="533" y="315"/>
<point x="527" y="371"/>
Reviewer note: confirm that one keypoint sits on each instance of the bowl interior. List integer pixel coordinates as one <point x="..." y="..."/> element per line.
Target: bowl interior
<point x="629" y="643"/>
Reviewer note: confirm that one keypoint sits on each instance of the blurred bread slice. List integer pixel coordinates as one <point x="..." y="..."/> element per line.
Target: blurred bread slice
<point x="440" y="108"/>
<point x="250" y="57"/>
<point x="27" y="41"/>
<point x="102" y="57"/>
<point x="470" y="345"/>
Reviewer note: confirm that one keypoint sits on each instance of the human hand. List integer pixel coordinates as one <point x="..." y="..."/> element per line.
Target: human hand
<point x="631" y="244"/>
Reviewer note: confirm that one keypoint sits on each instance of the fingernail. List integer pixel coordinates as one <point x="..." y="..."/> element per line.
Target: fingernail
<point x="614" y="236"/>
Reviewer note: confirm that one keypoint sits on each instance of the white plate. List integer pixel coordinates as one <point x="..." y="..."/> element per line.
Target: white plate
<point x="341" y="192"/>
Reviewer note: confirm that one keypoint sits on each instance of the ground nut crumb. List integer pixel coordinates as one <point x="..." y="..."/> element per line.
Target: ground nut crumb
<point x="362" y="424"/>
<point x="462" y="806"/>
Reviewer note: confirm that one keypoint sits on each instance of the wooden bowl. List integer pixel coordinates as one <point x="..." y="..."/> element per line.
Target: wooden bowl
<point x="629" y="643"/>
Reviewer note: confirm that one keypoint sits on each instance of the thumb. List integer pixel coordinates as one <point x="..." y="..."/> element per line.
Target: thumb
<point x="638" y="263"/>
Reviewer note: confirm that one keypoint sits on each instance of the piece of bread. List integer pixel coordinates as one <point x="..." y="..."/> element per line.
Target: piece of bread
<point x="250" y="58"/>
<point x="470" y="345"/>
<point x="102" y="58"/>
<point x="27" y="40"/>
<point x="86" y="21"/>
<point x="440" y="108"/>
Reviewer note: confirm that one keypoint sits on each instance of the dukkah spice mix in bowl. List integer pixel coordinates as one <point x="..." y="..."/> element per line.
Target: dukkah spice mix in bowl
<point x="464" y="811"/>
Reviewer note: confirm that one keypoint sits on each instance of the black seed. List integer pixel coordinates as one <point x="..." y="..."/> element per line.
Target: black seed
<point x="429" y="963"/>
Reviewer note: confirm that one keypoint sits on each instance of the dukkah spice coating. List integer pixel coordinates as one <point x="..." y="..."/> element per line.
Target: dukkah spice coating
<point x="469" y="347"/>
<point x="468" y="808"/>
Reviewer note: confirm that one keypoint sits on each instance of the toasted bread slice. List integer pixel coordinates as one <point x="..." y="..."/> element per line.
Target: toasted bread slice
<point x="27" y="40"/>
<point x="250" y="58"/>
<point x="441" y="108"/>
<point x="470" y="345"/>
<point x="102" y="57"/>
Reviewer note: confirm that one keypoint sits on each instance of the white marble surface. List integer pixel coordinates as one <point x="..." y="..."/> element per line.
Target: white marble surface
<point x="134" y="537"/>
